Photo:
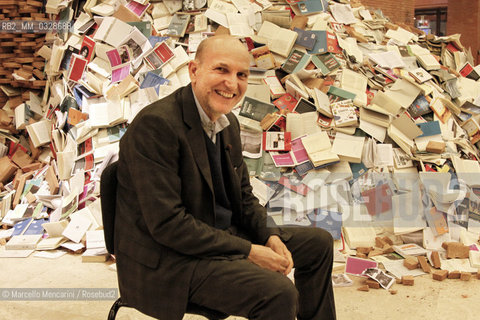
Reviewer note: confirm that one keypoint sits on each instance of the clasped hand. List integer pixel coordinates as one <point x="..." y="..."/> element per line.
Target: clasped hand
<point x="274" y="255"/>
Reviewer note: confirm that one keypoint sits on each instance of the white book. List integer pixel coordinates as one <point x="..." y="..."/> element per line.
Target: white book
<point x="159" y="10"/>
<point x="279" y="40"/>
<point x="40" y="132"/>
<point x="467" y="170"/>
<point x="95" y="239"/>
<point x="359" y="236"/>
<point x="403" y="92"/>
<point x="374" y="130"/>
<point x="56" y="228"/>
<point x="103" y="9"/>
<point x="77" y="228"/>
<point x="239" y="24"/>
<point x="355" y="82"/>
<point x="375" y="117"/>
<point x="348" y="148"/>
<point x="23" y="242"/>
<point x="300" y="124"/>
<point x="383" y="155"/>
<point x="113" y="31"/>
<point x="319" y="148"/>
<point x="475" y="259"/>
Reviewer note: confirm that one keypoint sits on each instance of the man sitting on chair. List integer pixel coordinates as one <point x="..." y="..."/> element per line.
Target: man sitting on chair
<point x="188" y="228"/>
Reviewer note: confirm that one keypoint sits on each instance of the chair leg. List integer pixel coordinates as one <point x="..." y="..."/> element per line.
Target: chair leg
<point x="114" y="309"/>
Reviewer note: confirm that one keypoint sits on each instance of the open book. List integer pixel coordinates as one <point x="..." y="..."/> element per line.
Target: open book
<point x="319" y="149"/>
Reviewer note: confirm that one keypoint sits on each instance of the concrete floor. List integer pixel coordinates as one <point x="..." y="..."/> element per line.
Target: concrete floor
<point x="427" y="299"/>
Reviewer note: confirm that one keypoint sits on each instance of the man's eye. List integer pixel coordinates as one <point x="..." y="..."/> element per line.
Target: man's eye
<point x="221" y="69"/>
<point x="242" y="75"/>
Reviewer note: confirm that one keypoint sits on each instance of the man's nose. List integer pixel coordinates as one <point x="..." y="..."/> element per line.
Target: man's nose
<point x="231" y="80"/>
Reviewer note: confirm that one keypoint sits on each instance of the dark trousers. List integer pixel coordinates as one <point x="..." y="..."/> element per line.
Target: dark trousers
<point x="241" y="288"/>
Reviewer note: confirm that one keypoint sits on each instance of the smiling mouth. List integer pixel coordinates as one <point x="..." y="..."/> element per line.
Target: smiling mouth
<point x="225" y="94"/>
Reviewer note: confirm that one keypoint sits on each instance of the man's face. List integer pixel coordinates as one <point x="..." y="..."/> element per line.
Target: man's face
<point x="220" y="79"/>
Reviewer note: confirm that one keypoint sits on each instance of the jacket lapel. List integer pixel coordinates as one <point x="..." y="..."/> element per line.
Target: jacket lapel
<point x="195" y="134"/>
<point x="232" y="178"/>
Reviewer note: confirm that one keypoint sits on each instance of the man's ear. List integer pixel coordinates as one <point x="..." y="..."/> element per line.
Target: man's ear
<point x="192" y="69"/>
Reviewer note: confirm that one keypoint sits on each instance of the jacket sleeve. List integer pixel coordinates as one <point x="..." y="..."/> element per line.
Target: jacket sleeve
<point x="151" y="151"/>
<point x="254" y="215"/>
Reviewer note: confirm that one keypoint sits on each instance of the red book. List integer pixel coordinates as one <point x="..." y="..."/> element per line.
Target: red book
<point x="86" y="50"/>
<point x="77" y="67"/>
<point x="286" y="102"/>
<point x="277" y="141"/>
<point x="378" y="199"/>
<point x="160" y="55"/>
<point x="295" y="184"/>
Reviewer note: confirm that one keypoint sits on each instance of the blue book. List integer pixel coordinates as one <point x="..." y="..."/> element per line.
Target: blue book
<point x="312" y="6"/>
<point x="321" y="45"/>
<point x="152" y="80"/>
<point x="305" y="38"/>
<point x="30" y="227"/>
<point x="430" y="128"/>
<point x="36" y="227"/>
<point x="358" y="169"/>
<point x="328" y="220"/>
<point x="154" y="39"/>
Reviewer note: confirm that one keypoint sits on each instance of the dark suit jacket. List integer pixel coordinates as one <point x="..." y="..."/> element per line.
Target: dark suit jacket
<point x="165" y="207"/>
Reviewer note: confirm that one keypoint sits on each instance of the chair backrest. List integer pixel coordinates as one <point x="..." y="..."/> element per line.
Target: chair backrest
<point x="108" y="195"/>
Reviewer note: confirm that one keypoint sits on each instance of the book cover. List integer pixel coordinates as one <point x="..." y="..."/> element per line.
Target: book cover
<point x="436" y="221"/>
<point x="304" y="106"/>
<point x="153" y="80"/>
<point x="321" y="45"/>
<point x="87" y="48"/>
<point x="419" y="107"/>
<point x="137" y="8"/>
<point x="263" y="57"/>
<point x="328" y="220"/>
<point x="378" y="199"/>
<point x="305" y="38"/>
<point x="324" y="121"/>
<point x="326" y="63"/>
<point x="178" y="25"/>
<point x="357" y="266"/>
<point x="336" y="94"/>
<point x="292" y="61"/>
<point x="67" y="56"/>
<point x="145" y="27"/>
<point x="282" y="159"/>
<point x="420" y="75"/>
<point x="159" y="55"/>
<point x="294" y="183"/>
<point x="276" y="88"/>
<point x="286" y="103"/>
<point x="277" y="141"/>
<point x="429" y="128"/>
<point x="468" y="72"/>
<point x="77" y="67"/>
<point x="332" y="43"/>
<point x="307" y="7"/>
<point x="344" y="113"/>
<point x="255" y="109"/>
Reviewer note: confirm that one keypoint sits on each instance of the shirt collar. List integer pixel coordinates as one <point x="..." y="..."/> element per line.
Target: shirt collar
<point x="211" y="128"/>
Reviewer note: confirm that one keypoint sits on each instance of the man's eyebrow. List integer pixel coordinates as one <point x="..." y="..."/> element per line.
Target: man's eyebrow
<point x="225" y="65"/>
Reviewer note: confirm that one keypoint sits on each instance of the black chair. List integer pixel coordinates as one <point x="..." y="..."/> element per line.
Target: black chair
<point x="108" y="193"/>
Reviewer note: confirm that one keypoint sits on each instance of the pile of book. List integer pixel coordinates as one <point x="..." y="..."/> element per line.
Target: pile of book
<point x="350" y="122"/>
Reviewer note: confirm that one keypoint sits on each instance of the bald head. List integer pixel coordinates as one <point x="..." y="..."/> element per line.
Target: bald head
<point x="219" y="74"/>
<point x="217" y="43"/>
